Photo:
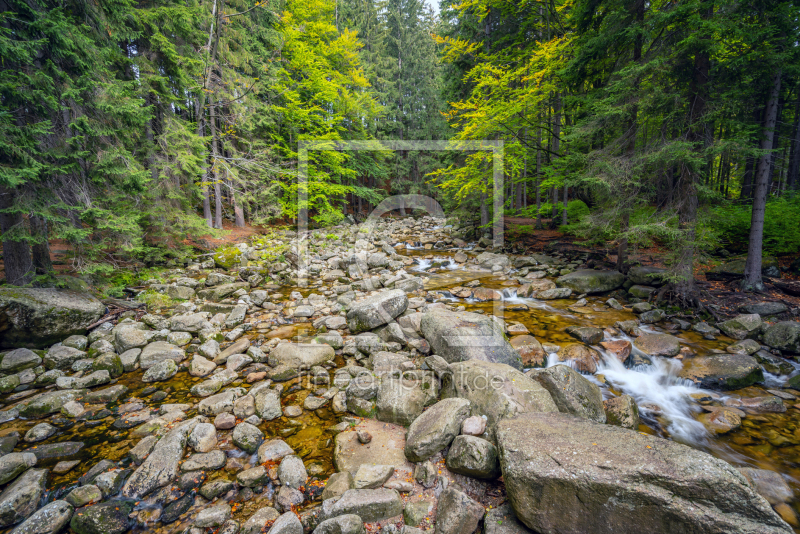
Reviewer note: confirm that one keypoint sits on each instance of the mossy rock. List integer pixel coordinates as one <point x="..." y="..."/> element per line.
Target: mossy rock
<point x="734" y="269"/>
<point x="227" y="257"/>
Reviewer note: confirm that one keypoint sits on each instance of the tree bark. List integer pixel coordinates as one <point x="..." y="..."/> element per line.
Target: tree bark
<point x="685" y="288"/>
<point x="40" y="252"/>
<point x="752" y="267"/>
<point x="17" y="261"/>
<point x="794" y="159"/>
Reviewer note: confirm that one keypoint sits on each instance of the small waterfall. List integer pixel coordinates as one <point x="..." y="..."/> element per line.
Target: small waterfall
<point x="659" y="384"/>
<point x="422" y="265"/>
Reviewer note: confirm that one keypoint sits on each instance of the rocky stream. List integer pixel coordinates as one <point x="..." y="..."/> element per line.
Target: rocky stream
<point x="395" y="378"/>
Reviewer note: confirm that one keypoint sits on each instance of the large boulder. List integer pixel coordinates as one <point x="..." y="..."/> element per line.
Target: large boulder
<point x="457" y="513"/>
<point x="646" y="276"/>
<point x="784" y="336"/>
<point x="376" y="310"/>
<point x="571" y="392"/>
<point x="110" y="517"/>
<point x="495" y="390"/>
<point x="435" y="429"/>
<point x="21" y="498"/>
<point x="590" y="281"/>
<point x="301" y="355"/>
<point x="36" y="318"/>
<point x="567" y="474"/>
<point x="723" y="371"/>
<point x="19" y="360"/>
<point x="734" y="269"/>
<point x="158" y="351"/>
<point x="161" y="466"/>
<point x="462" y="336"/>
<point x="741" y="326"/>
<point x="49" y="519"/>
<point x="369" y="504"/>
<point x="399" y="401"/>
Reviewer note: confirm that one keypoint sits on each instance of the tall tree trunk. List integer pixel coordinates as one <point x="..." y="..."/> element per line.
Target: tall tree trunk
<point x="212" y="123"/>
<point x="697" y="136"/>
<point x="200" y="114"/>
<point x="752" y="267"/>
<point x="792" y="181"/>
<point x="40" y="252"/>
<point x="17" y="261"/>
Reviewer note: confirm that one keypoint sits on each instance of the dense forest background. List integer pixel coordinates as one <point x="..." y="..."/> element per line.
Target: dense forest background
<point x="127" y="127"/>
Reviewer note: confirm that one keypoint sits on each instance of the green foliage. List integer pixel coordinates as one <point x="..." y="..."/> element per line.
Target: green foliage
<point x="731" y="223"/>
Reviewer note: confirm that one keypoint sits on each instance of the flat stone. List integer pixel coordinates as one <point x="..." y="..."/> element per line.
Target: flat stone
<point x="369" y="504"/>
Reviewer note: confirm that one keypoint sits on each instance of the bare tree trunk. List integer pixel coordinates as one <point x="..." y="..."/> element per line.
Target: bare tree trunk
<point x="752" y="267"/>
<point x="687" y="213"/>
<point x="17" y="261"/>
<point x="794" y="159"/>
<point x="238" y="212"/>
<point x="40" y="252"/>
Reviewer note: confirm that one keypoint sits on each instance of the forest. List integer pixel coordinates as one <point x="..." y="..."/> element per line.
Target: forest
<point x="130" y="129"/>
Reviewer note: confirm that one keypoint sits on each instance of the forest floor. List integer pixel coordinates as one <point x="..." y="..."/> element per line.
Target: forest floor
<point x="522" y="231"/>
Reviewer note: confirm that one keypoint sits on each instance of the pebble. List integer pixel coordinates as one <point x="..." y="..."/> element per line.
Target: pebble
<point x="224" y="421"/>
<point x="363" y="436"/>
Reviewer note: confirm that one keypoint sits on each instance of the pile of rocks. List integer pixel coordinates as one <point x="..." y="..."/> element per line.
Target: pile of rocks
<point x="433" y="403"/>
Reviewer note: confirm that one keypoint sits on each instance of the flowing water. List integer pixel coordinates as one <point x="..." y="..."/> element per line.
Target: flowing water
<point x="669" y="405"/>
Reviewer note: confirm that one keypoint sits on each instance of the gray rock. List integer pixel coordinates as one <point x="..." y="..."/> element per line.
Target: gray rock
<point x="369" y="504"/>
<point x="292" y="472"/>
<point x="36" y="318"/>
<point x="571" y="392"/>
<point x="255" y="476"/>
<point x="21" y="498"/>
<point x="723" y="371"/>
<point x="587" y="334"/>
<point x="590" y="281"/>
<point x="765" y="308"/>
<point x="258" y="521"/>
<point x="622" y="411"/>
<point x="555" y="293"/>
<point x="301" y="355"/>
<point x="474" y="457"/>
<point x="372" y="476"/>
<point x="496" y="391"/>
<point x="213" y="516"/>
<point x="658" y="345"/>
<point x="61" y="357"/>
<point x="110" y="517"/>
<point x="465" y="336"/>
<point x="40" y="432"/>
<point x="142" y="449"/>
<point x="83" y="495"/>
<point x="213" y="384"/>
<point x="267" y="403"/>
<point x="784" y="336"/>
<point x="337" y="484"/>
<point x="211" y="461"/>
<point x="343" y="524"/>
<point x="221" y="402"/>
<point x="567" y="474"/>
<point x="14" y="464"/>
<point x="163" y="370"/>
<point x="436" y="428"/>
<point x="247" y="437"/>
<point x="273" y="451"/>
<point x="457" y="513"/>
<point x="48" y="403"/>
<point x="287" y="524"/>
<point x="159" y="351"/>
<point x="376" y="310"/>
<point x="130" y="359"/>
<point x="203" y="437"/>
<point x="647" y="276"/>
<point x="18" y="360"/>
<point x="741" y="326"/>
<point x="399" y="401"/>
<point x="161" y="466"/>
